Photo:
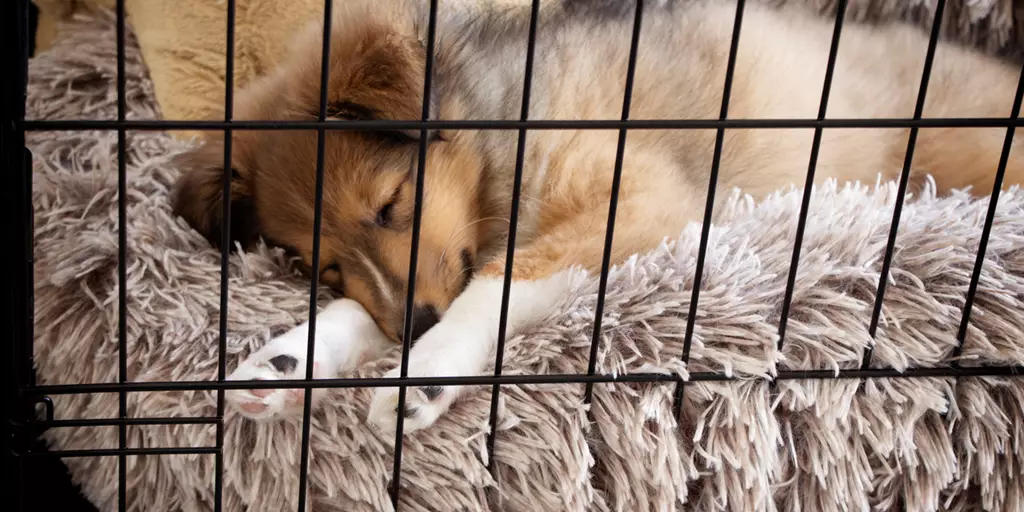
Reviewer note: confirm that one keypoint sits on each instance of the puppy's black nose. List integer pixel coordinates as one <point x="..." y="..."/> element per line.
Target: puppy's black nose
<point x="423" y="318"/>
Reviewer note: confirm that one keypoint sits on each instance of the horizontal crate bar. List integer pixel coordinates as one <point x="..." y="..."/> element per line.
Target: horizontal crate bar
<point x="479" y="380"/>
<point x="113" y="422"/>
<point x="533" y="124"/>
<point x="114" y="452"/>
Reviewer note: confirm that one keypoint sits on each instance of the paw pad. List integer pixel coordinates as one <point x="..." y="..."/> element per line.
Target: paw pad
<point x="432" y="392"/>
<point x="268" y="403"/>
<point x="284" y="363"/>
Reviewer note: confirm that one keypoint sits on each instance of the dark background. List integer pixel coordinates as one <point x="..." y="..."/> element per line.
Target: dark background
<point x="47" y="484"/>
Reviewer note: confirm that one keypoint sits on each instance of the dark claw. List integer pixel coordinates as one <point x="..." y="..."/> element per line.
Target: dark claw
<point x="284" y="363"/>
<point x="410" y="411"/>
<point x="432" y="392"/>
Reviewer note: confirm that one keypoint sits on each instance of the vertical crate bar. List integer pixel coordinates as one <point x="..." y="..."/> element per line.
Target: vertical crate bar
<point x="990" y="215"/>
<point x="883" y="278"/>
<point x="122" y="243"/>
<point x="517" y="183"/>
<point x="417" y="218"/>
<point x="16" y="287"/>
<point x="702" y="249"/>
<point x="225" y="251"/>
<point x="620" y="151"/>
<point x="314" y="285"/>
<point x="826" y="90"/>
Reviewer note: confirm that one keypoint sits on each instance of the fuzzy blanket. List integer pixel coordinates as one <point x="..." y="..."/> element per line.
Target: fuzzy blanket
<point x="910" y="444"/>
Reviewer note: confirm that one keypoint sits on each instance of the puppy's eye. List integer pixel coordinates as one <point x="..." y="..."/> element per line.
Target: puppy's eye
<point x="384" y="215"/>
<point x="331" y="276"/>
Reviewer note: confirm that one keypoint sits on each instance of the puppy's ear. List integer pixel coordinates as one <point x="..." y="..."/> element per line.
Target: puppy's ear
<point x="199" y="192"/>
<point x="351" y="111"/>
<point x="378" y="75"/>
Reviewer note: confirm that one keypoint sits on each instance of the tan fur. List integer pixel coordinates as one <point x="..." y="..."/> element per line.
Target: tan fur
<point x="377" y="65"/>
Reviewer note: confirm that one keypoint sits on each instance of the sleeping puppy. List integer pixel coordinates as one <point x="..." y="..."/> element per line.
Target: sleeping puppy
<point x="377" y="66"/>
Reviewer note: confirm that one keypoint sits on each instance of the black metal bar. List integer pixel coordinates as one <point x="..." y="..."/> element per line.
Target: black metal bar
<point x="314" y="285"/>
<point x="826" y="91"/>
<point x="22" y="297"/>
<point x="533" y="124"/>
<point x="908" y="159"/>
<point x="510" y="380"/>
<point x="113" y="422"/>
<point x="16" y="284"/>
<point x="513" y="225"/>
<point x="19" y="160"/>
<point x="110" y="452"/>
<point x="428" y="76"/>
<point x="986" y="231"/>
<point x="122" y="262"/>
<point x="229" y="104"/>
<point x="620" y="152"/>
<point x="709" y="205"/>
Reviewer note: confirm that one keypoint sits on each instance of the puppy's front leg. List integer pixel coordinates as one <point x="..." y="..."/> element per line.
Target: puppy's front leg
<point x="345" y="335"/>
<point x="462" y="343"/>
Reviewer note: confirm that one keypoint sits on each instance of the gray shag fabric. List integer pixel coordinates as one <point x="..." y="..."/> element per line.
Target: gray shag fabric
<point x="923" y="444"/>
<point x="993" y="26"/>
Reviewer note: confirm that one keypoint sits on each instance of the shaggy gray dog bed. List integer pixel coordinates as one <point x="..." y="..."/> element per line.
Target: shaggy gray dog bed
<point x="913" y="444"/>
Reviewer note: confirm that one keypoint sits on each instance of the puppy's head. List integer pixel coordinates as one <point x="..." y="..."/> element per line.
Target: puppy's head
<point x="369" y="178"/>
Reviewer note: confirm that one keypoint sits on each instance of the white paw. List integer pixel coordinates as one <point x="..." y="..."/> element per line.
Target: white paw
<point x="450" y="349"/>
<point x="462" y="344"/>
<point x="282" y="359"/>
<point x="423" y="405"/>
<point x="345" y="336"/>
